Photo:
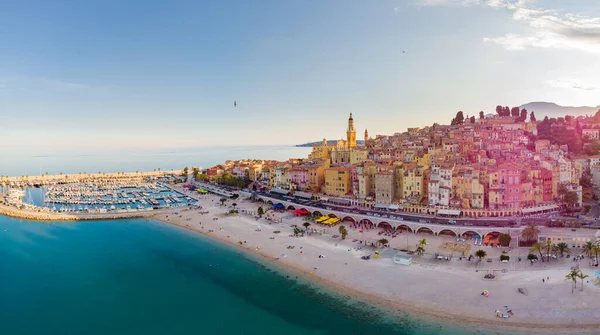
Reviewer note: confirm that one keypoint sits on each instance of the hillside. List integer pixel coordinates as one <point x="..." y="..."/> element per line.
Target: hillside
<point x="551" y="109"/>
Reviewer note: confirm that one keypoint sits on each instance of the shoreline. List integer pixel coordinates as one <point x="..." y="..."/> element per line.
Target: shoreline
<point x="393" y="306"/>
<point x="367" y="288"/>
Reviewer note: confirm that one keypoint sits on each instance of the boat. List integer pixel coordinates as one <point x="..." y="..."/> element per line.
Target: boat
<point x="523" y="290"/>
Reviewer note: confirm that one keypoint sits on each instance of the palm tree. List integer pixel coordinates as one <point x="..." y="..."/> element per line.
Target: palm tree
<point x="548" y="246"/>
<point x="562" y="248"/>
<point x="595" y="250"/>
<point x="573" y="275"/>
<point x="234" y="205"/>
<point x="538" y="247"/>
<point x="343" y="231"/>
<point x="581" y="276"/>
<point x="530" y="233"/>
<point x="422" y="242"/>
<point x="383" y="241"/>
<point x="480" y="254"/>
<point x="420" y="250"/>
<point x="306" y="225"/>
<point x="589" y="248"/>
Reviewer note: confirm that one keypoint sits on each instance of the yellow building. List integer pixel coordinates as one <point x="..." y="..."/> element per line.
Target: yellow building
<point x="254" y="172"/>
<point x="337" y="181"/>
<point x="316" y="175"/>
<point x="537" y="186"/>
<point x="412" y="182"/>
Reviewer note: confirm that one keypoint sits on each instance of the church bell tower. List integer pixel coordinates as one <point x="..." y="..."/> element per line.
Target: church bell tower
<point x="351" y="133"/>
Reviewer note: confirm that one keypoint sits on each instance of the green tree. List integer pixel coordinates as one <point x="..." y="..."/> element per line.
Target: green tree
<point x="562" y="190"/>
<point x="223" y="200"/>
<point x="460" y="118"/>
<point x="343" y="231"/>
<point x="530" y="233"/>
<point x="532" y="256"/>
<point x="234" y="205"/>
<point x="504" y="239"/>
<point x="586" y="178"/>
<point x="261" y="211"/>
<point x="186" y="171"/>
<point x="562" y="248"/>
<point x="571" y="199"/>
<point x="539" y="248"/>
<point x="480" y="254"/>
<point x="499" y="110"/>
<point x="306" y="225"/>
<point x="514" y="112"/>
<point x="383" y="242"/>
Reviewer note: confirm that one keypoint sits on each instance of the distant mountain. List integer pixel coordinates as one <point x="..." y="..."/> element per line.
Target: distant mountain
<point x="311" y="144"/>
<point x="551" y="109"/>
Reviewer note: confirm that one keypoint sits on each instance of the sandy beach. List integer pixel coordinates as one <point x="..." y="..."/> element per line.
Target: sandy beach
<point x="450" y="290"/>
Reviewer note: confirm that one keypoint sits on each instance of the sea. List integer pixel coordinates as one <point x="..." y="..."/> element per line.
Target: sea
<point x="145" y="277"/>
<point x="36" y="161"/>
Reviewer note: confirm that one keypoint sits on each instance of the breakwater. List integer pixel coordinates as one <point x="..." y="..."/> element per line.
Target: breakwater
<point x="41" y="215"/>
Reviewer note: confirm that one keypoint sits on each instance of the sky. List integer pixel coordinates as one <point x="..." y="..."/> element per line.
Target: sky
<point x="164" y="74"/>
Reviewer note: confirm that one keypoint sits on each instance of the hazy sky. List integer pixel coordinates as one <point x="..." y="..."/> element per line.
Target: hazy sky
<point x="165" y="73"/>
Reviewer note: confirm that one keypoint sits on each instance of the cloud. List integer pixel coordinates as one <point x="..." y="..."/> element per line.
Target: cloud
<point x="550" y="28"/>
<point x="396" y="10"/>
<point x="447" y="2"/>
<point x="570" y="83"/>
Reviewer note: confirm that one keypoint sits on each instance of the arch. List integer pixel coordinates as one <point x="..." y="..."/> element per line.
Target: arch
<point x="317" y="213"/>
<point x="261" y="200"/>
<point x="447" y="232"/>
<point x="384" y="225"/>
<point x="349" y="219"/>
<point x="290" y="207"/>
<point x="365" y="223"/>
<point x="471" y="234"/>
<point x="269" y="202"/>
<point x="404" y="228"/>
<point x="331" y="215"/>
<point x="425" y="230"/>
<point x="492" y="233"/>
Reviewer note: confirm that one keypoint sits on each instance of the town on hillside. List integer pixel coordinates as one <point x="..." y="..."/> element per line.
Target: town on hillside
<point x="508" y="164"/>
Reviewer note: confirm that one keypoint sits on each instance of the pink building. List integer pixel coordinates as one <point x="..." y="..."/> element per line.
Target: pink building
<point x="509" y="175"/>
<point x="298" y="175"/>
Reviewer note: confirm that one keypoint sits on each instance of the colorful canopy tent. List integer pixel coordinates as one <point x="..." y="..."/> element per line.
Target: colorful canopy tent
<point x="278" y="206"/>
<point x="202" y="191"/>
<point x="322" y="218"/>
<point x="192" y="187"/>
<point x="301" y="211"/>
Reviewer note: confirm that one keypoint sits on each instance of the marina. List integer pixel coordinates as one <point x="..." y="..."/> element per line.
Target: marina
<point x="97" y="195"/>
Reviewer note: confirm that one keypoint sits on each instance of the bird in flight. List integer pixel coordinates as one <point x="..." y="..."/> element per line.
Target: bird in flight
<point x="234" y="103"/>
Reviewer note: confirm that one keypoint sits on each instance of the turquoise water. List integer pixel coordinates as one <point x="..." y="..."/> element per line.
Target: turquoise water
<point x="145" y="277"/>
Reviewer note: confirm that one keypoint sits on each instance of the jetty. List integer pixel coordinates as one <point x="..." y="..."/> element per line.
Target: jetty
<point x="31" y="214"/>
